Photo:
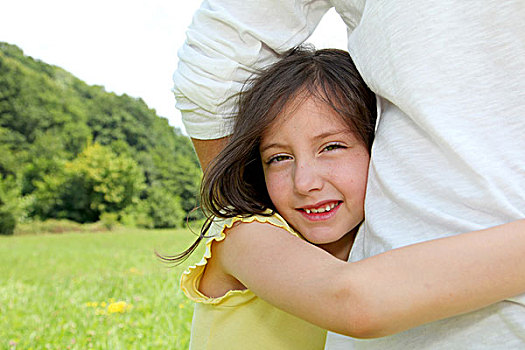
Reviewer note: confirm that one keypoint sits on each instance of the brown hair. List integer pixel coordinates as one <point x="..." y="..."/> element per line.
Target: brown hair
<point x="234" y="183"/>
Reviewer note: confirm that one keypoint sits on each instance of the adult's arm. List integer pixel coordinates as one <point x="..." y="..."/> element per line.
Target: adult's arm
<point x="226" y="43"/>
<point x="383" y="294"/>
<point x="208" y="149"/>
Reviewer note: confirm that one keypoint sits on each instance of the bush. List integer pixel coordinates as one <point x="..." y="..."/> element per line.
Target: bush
<point x="7" y="223"/>
<point x="10" y="205"/>
<point x="57" y="226"/>
<point x="109" y="220"/>
<point x="161" y="209"/>
<point x="165" y="209"/>
<point x="97" y="181"/>
<point x="137" y="215"/>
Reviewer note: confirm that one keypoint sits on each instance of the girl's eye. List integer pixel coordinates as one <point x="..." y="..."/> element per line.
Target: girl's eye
<point x="333" y="146"/>
<point x="278" y="158"/>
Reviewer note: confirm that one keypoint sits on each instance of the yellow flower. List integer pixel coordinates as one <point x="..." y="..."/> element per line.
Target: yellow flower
<point x="103" y="304"/>
<point x="119" y="306"/>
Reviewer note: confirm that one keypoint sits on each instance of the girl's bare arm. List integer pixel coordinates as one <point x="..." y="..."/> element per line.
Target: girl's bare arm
<point x="384" y="294"/>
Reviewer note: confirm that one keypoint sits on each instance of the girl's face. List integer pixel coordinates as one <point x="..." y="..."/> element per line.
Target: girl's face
<point x="316" y="171"/>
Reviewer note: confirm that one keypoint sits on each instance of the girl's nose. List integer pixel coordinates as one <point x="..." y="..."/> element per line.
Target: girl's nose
<point x="307" y="178"/>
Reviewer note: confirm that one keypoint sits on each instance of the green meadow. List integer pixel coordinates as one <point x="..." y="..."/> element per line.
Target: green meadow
<point x="103" y="290"/>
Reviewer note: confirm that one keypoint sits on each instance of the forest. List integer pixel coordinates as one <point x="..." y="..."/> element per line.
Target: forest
<point x="73" y="151"/>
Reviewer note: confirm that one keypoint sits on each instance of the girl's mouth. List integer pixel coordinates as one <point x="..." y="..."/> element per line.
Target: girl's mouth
<point x="321" y="209"/>
<point x="321" y="212"/>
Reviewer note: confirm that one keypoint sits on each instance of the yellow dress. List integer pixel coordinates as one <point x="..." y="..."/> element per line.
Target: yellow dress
<point x="239" y="319"/>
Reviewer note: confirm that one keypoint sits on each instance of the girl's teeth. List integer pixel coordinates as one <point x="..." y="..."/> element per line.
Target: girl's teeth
<point x="321" y="210"/>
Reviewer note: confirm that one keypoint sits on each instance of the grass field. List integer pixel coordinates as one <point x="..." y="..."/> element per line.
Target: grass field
<point x="93" y="290"/>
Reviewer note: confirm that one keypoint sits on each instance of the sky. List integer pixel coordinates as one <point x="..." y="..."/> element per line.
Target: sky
<point x="127" y="46"/>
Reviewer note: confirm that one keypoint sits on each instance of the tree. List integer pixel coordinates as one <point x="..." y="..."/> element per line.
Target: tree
<point x="97" y="181"/>
<point x="47" y="119"/>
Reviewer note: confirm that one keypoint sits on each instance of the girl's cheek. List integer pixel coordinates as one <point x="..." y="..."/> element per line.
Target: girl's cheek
<point x="276" y="184"/>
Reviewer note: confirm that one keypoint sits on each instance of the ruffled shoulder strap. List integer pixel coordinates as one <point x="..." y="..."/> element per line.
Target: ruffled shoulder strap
<point x="190" y="279"/>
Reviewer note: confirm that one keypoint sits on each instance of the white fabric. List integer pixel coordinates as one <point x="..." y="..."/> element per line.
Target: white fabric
<point x="448" y="155"/>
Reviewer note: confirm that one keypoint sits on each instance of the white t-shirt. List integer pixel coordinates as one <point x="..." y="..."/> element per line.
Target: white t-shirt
<point x="449" y="153"/>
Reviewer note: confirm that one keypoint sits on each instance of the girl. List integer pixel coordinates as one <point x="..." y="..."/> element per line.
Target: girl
<point x="300" y="149"/>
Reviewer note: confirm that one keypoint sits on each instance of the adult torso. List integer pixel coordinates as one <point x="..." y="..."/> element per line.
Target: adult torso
<point x="448" y="155"/>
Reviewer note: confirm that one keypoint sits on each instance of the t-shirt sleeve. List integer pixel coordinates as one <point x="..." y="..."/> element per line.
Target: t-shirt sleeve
<point x="227" y="41"/>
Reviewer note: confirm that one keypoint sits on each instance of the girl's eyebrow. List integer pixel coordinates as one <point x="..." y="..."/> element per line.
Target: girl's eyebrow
<point x="336" y="132"/>
<point x="271" y="145"/>
<point x="331" y="133"/>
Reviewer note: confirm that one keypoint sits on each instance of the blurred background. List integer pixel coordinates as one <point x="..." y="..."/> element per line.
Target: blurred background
<point x="97" y="173"/>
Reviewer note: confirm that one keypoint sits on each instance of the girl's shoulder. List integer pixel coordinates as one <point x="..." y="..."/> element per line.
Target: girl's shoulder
<point x="196" y="279"/>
